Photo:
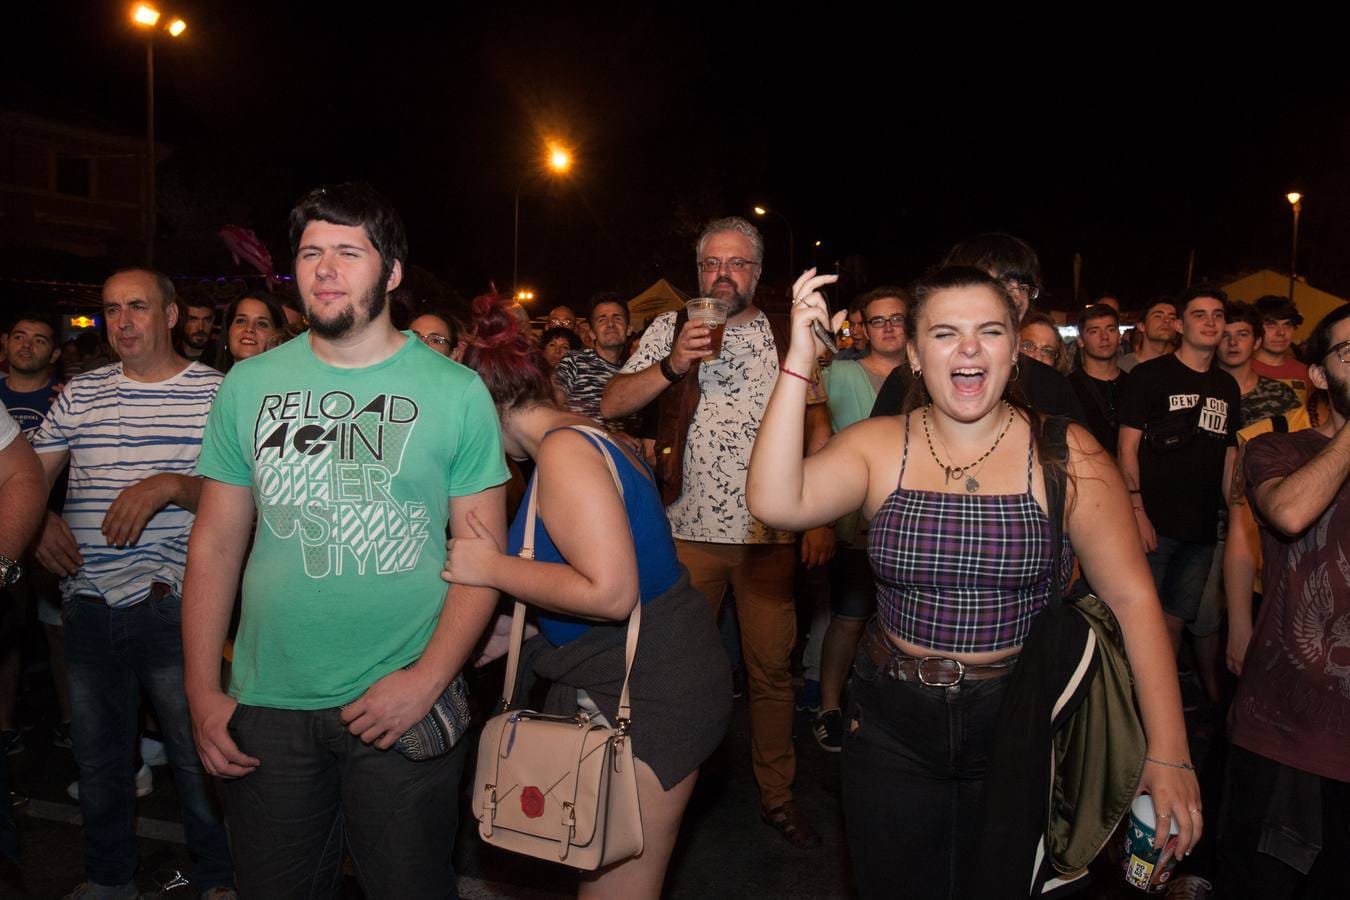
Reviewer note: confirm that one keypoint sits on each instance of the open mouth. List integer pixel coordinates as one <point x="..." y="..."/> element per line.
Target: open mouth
<point x="968" y="379"/>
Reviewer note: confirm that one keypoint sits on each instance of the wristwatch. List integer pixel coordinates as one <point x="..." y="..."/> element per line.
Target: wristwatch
<point x="10" y="572"/>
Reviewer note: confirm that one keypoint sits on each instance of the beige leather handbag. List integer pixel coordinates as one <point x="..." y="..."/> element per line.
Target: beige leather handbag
<point x="561" y="788"/>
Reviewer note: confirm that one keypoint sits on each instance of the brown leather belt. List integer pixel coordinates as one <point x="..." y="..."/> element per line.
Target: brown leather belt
<point x="933" y="671"/>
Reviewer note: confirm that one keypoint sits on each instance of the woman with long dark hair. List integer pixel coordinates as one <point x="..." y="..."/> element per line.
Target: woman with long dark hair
<point x="961" y="548"/>
<point x="254" y="323"/>
<point x="596" y="551"/>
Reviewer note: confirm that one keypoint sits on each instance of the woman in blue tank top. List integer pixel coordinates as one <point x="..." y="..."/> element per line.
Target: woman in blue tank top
<point x="596" y="551"/>
<point x="960" y="546"/>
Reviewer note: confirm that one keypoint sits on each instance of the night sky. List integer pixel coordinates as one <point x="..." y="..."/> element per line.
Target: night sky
<point x="1132" y="141"/>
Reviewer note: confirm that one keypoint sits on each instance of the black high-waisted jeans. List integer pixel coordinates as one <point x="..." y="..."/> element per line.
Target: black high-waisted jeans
<point x="913" y="773"/>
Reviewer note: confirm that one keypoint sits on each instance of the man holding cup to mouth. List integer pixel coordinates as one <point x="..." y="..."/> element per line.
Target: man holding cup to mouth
<point x="713" y="368"/>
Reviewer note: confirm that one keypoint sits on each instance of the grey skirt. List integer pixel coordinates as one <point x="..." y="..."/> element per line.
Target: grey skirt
<point x="680" y="687"/>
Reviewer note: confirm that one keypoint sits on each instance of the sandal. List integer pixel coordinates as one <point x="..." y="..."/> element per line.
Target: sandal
<point x="792" y="825"/>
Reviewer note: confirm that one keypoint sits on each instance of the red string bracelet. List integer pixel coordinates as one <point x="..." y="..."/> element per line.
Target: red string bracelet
<point x="787" y="371"/>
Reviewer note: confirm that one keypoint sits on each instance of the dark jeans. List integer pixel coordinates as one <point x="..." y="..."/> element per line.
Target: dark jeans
<point x="1243" y="870"/>
<point x="316" y="788"/>
<point x="111" y="656"/>
<point x="1180" y="570"/>
<point x="913" y="773"/>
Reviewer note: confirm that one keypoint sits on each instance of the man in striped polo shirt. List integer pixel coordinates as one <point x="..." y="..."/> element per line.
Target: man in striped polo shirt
<point x="132" y="431"/>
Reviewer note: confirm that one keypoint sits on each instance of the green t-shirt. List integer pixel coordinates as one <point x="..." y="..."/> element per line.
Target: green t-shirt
<point x="851" y="396"/>
<point x="351" y="471"/>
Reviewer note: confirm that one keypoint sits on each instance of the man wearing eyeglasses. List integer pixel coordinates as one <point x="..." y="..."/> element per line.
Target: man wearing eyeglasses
<point x="1013" y="263"/>
<point x="1287" y="725"/>
<point x="562" y="317"/>
<point x="716" y="537"/>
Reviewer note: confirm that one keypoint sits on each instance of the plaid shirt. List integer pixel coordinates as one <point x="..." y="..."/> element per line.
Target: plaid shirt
<point x="962" y="573"/>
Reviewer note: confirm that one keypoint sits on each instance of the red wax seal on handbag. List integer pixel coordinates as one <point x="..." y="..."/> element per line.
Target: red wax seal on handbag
<point x="532" y="802"/>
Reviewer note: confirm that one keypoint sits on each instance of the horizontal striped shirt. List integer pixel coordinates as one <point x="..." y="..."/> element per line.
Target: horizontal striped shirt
<point x="120" y="432"/>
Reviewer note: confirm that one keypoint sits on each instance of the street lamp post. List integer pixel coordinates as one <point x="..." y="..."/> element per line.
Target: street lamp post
<point x="763" y="211"/>
<point x="146" y="17"/>
<point x="559" y="162"/>
<point x="1296" y="202"/>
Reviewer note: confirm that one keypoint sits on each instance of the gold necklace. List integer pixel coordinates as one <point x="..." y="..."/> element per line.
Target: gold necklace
<point x="959" y="472"/>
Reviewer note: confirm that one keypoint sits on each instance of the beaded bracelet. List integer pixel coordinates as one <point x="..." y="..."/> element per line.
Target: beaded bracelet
<point x="786" y="371"/>
<point x="1181" y="765"/>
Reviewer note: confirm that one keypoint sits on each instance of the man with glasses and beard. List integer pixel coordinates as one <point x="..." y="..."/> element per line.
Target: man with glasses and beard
<point x="355" y="445"/>
<point x="1287" y="797"/>
<point x="716" y="537"/>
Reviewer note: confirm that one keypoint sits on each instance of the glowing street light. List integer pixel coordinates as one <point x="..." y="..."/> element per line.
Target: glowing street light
<point x="146" y="17"/>
<point x="1296" y="202"/>
<point x="524" y="296"/>
<point x="558" y="160"/>
<point x="763" y="211"/>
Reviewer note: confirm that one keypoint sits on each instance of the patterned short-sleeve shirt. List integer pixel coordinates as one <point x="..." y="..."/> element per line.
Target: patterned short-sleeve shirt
<point x="735" y="389"/>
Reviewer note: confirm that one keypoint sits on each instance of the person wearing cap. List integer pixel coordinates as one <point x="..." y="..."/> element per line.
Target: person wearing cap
<point x="1275" y="356"/>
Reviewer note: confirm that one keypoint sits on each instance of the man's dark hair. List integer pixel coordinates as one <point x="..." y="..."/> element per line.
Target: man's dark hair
<point x="1201" y="290"/>
<point x="196" y="301"/>
<point x="1160" y="300"/>
<point x="1319" y="342"/>
<point x="1001" y="254"/>
<point x="42" y="317"/>
<point x="357" y="205"/>
<point x="1096" y="311"/>
<point x="1275" y="308"/>
<point x="1245" y="313"/>
<point x="861" y="302"/>
<point x="604" y="297"/>
<point x="567" y="334"/>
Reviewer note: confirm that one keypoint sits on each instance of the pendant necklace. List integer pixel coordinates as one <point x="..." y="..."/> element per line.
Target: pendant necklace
<point x="967" y="471"/>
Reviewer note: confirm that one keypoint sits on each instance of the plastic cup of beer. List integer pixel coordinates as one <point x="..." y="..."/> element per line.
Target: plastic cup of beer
<point x="711" y="312"/>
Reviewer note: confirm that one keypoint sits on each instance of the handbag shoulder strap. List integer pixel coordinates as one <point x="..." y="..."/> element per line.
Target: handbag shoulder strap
<point x="601" y="440"/>
<point x="1054" y="458"/>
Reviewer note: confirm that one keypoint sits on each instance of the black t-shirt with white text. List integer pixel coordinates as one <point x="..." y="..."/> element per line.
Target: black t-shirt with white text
<point x="1182" y="487"/>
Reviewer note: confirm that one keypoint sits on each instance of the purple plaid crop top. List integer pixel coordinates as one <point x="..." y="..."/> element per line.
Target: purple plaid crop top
<point x="961" y="573"/>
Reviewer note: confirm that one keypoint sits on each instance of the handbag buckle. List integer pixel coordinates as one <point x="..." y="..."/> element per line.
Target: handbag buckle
<point x="942" y="664"/>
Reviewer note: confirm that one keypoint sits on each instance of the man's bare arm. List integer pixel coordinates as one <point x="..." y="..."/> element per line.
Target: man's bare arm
<point x="23" y="495"/>
<point x="1293" y="503"/>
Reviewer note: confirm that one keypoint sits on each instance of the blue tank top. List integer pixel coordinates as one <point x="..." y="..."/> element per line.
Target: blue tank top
<point x="658" y="568"/>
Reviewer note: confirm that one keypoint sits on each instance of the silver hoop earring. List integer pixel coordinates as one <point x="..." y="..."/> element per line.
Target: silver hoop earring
<point x="1017" y="372"/>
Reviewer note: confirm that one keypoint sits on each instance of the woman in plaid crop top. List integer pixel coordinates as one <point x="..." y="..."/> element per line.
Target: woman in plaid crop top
<point x="960" y="545"/>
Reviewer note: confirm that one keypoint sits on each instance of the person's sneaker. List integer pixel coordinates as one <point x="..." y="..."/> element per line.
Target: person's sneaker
<point x="91" y="891"/>
<point x="11" y="742"/>
<point x="792" y="825"/>
<point x="61" y="735"/>
<point x="145" y="784"/>
<point x="829" y="730"/>
<point x="809" y="699"/>
<point x="152" y="752"/>
<point x="1189" y="887"/>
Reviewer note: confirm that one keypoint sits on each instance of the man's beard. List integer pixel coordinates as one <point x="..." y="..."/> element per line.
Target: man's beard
<point x="345" y="321"/>
<point x="199" y="341"/>
<point x="739" y="301"/>
<point x="31" y="369"/>
<point x="1338" y="392"/>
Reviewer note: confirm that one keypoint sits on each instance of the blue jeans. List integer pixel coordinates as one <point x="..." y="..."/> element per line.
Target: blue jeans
<point x="318" y="789"/>
<point x="111" y="656"/>
<point x="914" y="762"/>
<point x="1180" y="570"/>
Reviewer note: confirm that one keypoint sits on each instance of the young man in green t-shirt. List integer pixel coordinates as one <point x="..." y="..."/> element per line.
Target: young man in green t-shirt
<point x="346" y="443"/>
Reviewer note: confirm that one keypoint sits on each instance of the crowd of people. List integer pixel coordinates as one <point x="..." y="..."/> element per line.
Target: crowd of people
<point x="246" y="514"/>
